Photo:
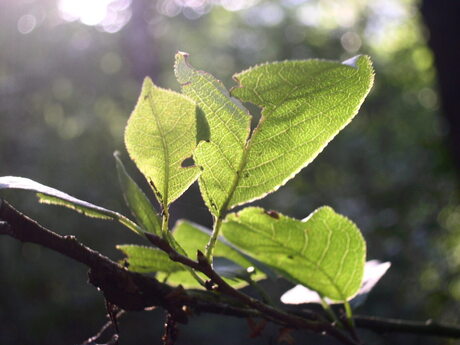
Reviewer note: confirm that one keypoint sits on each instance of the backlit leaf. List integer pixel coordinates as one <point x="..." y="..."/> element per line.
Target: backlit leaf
<point x="161" y="134"/>
<point x="325" y="252"/>
<point x="305" y="104"/>
<point x="229" y="123"/>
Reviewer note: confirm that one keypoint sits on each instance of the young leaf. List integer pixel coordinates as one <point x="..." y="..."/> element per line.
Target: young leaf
<point x="48" y="195"/>
<point x="305" y="104"/>
<point x="161" y="134"/>
<point x="147" y="259"/>
<point x="325" y="252"/>
<point x="373" y="271"/>
<point x="136" y="200"/>
<point x="193" y="237"/>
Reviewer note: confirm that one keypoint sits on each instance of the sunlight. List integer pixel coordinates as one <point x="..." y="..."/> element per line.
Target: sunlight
<point x="110" y="15"/>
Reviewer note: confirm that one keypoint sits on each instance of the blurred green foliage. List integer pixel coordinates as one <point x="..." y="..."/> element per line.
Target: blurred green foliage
<point x="69" y="78"/>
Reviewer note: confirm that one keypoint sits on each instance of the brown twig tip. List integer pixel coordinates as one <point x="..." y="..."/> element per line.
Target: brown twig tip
<point x="201" y="258"/>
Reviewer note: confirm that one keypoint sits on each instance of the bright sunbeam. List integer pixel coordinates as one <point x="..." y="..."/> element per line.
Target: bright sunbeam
<point x="111" y="15"/>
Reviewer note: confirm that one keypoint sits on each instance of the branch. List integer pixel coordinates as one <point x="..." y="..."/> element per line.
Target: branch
<point x="128" y="290"/>
<point x="384" y="325"/>
<point x="92" y="340"/>
<point x="289" y="320"/>
<point x="133" y="291"/>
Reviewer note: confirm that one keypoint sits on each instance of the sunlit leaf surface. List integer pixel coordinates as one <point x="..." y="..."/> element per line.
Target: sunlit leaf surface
<point x="305" y="104"/>
<point x="325" y="252"/>
<point x="161" y="134"/>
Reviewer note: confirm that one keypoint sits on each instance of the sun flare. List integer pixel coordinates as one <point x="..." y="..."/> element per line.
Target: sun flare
<point x="111" y="15"/>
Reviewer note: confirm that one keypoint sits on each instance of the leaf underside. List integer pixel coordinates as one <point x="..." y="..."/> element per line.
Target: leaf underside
<point x="51" y="196"/>
<point x="305" y="104"/>
<point x="325" y="252"/>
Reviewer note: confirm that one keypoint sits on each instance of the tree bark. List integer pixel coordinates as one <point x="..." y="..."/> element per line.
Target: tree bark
<point x="442" y="19"/>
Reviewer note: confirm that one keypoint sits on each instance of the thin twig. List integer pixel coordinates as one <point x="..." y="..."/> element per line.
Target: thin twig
<point x="385" y="325"/>
<point x="171" y="330"/>
<point x="109" y="323"/>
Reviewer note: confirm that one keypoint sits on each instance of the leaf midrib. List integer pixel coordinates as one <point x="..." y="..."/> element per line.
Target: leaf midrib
<point x="243" y="161"/>
<point x="269" y="111"/>
<point x="165" y="151"/>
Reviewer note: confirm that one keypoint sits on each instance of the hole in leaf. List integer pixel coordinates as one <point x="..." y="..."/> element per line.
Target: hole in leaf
<point x="256" y="113"/>
<point x="187" y="162"/>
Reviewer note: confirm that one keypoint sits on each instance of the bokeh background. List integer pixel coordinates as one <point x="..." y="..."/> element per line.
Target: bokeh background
<point x="70" y="73"/>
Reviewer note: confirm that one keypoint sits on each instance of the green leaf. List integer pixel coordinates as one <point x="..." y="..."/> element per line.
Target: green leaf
<point x="147" y="259"/>
<point x="161" y="134"/>
<point x="138" y="203"/>
<point x="48" y="195"/>
<point x="229" y="124"/>
<point x="305" y="104"/>
<point x="325" y="252"/>
<point x="193" y="237"/>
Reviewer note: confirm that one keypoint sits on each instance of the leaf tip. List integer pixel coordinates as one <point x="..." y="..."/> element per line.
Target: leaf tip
<point x="182" y="55"/>
<point x="355" y="61"/>
<point x="182" y="67"/>
<point x="147" y="83"/>
<point x="363" y="62"/>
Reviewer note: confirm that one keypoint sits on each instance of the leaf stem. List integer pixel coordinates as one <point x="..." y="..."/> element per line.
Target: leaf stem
<point x="212" y="241"/>
<point x="165" y="222"/>
<point x="327" y="308"/>
<point x="349" y="313"/>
